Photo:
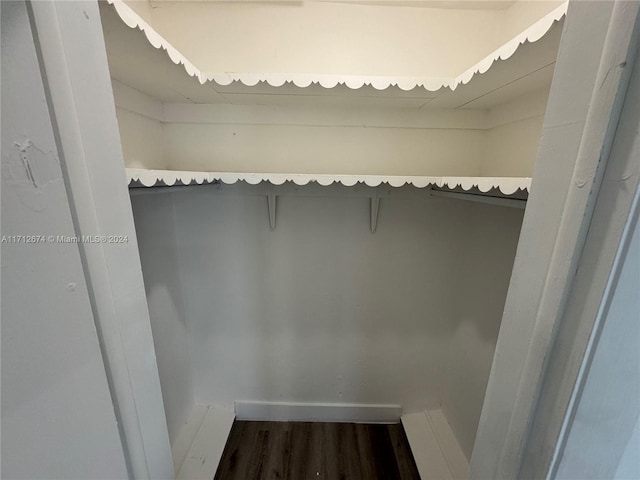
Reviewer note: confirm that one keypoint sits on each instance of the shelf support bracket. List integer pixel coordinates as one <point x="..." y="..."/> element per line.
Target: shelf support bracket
<point x="375" y="206"/>
<point x="272" y="203"/>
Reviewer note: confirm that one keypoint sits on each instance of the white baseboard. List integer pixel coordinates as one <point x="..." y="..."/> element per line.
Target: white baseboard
<point x="205" y="452"/>
<point x="455" y="457"/>
<point x="424" y="446"/>
<point x="317" y="412"/>
<point x="187" y="434"/>
<point x="435" y="449"/>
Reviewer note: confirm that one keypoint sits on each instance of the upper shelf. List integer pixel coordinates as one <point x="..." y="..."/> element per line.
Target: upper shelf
<point x="262" y="122"/>
<point x="505" y="185"/>
<point x="151" y="64"/>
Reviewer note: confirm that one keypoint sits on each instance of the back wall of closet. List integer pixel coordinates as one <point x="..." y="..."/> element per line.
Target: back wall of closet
<point x="321" y="310"/>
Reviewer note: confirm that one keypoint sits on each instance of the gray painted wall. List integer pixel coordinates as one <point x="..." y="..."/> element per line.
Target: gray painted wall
<point x="161" y="270"/>
<point x="321" y="310"/>
<point x="483" y="270"/>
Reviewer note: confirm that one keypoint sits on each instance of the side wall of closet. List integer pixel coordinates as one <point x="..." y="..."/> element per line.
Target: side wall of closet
<point x="482" y="273"/>
<point x="153" y="216"/>
<point x="511" y="141"/>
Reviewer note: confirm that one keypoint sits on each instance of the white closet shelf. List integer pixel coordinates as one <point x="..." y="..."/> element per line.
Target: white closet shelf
<point x="531" y="34"/>
<point x="152" y="178"/>
<point x="149" y="63"/>
<point x="503" y="191"/>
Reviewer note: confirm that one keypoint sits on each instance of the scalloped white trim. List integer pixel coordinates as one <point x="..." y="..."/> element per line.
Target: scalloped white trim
<point x="133" y="20"/>
<point x="531" y="34"/>
<point x="150" y="178"/>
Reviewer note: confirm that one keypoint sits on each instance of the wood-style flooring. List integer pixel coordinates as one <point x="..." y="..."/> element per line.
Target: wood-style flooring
<point x="327" y="451"/>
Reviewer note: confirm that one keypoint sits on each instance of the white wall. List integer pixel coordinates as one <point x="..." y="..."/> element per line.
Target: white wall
<point x="513" y="136"/>
<point x="153" y="216"/>
<point x="323" y="139"/>
<point x="511" y="148"/>
<point x="483" y="270"/>
<point x="57" y="413"/>
<point x="142" y="140"/>
<point x="139" y="123"/>
<point x="319" y="310"/>
<point x="320" y="149"/>
<point x="280" y="139"/>
<point x="338" y="139"/>
<point x="500" y="142"/>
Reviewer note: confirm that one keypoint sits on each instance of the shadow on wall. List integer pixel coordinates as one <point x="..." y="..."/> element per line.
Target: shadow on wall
<point x="161" y="271"/>
<point x="484" y="266"/>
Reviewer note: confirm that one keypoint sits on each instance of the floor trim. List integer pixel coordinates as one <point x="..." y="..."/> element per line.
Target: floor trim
<point x="183" y="441"/>
<point x="205" y="451"/>
<point x="317" y="412"/>
<point x="435" y="449"/>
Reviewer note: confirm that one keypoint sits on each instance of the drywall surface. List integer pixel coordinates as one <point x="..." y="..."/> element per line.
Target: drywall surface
<point x="332" y="139"/>
<point x="159" y="256"/>
<point x="511" y="148"/>
<point x="513" y="135"/>
<point x="139" y="123"/>
<point x="57" y="415"/>
<point x="142" y="140"/>
<point x="608" y="410"/>
<point x="321" y="310"/>
<point x="483" y="268"/>
<point x="323" y="149"/>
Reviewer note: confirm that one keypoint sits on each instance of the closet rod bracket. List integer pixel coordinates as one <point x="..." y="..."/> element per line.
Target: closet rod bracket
<point x="272" y="205"/>
<point x="375" y="207"/>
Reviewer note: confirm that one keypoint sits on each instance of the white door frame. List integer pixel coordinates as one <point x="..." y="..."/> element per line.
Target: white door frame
<point x="580" y="124"/>
<point x="73" y="63"/>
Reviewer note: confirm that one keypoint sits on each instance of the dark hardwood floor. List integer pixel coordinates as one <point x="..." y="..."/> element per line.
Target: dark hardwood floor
<point x="328" y="451"/>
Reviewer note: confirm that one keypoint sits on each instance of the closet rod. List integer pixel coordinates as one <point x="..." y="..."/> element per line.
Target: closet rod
<point x="162" y="189"/>
<point x="472" y="197"/>
<point x="369" y="192"/>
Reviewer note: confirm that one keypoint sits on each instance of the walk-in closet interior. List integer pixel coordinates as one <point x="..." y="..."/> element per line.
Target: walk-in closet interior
<point x="328" y="198"/>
